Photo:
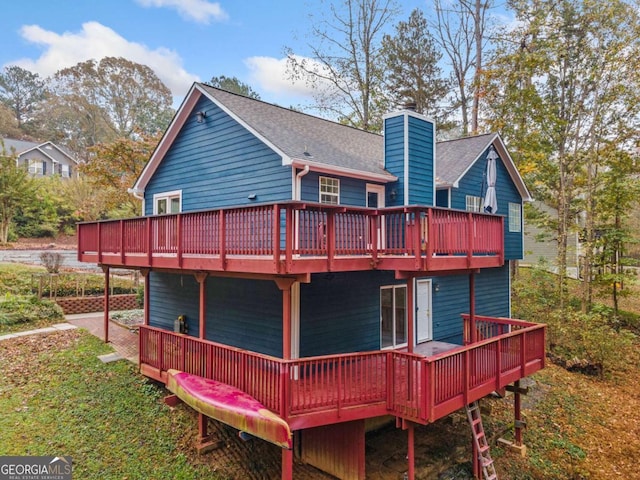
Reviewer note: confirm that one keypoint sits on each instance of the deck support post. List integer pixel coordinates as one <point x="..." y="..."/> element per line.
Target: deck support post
<point x="201" y="278"/>
<point x="105" y="269"/>
<point x="206" y="442"/>
<point x="147" y="289"/>
<point x="411" y="453"/>
<point x="287" y="464"/>
<point x="411" y="314"/>
<point x="517" y="413"/>
<point x="472" y="308"/>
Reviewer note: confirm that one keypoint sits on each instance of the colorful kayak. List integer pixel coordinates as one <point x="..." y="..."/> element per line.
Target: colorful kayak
<point x="229" y="405"/>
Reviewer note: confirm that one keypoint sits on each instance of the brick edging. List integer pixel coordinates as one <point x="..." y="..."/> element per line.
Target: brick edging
<point x="71" y="305"/>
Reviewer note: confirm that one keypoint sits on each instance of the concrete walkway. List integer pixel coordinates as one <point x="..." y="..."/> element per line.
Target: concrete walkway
<point x="123" y="340"/>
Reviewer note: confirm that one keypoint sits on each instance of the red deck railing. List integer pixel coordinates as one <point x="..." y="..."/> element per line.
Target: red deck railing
<point x="296" y="237"/>
<point x="321" y="390"/>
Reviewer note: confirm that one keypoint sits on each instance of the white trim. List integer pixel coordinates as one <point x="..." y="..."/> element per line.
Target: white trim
<point x="393" y="288"/>
<point x="375" y="188"/>
<point x="343" y="171"/>
<point x="328" y="194"/>
<point x="406" y="160"/>
<point x="168" y="196"/>
<point x="434" y="161"/>
<point x="429" y="333"/>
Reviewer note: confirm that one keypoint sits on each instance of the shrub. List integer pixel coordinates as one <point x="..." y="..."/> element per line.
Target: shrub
<point x="15" y="309"/>
<point x="52" y="261"/>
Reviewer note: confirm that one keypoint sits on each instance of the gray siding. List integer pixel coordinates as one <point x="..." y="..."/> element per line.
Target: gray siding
<point x="218" y="163"/>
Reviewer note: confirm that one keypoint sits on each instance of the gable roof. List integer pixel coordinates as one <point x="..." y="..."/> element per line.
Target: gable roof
<point x="299" y="138"/>
<point x="325" y="146"/>
<point x="48" y="149"/>
<point x="455" y="157"/>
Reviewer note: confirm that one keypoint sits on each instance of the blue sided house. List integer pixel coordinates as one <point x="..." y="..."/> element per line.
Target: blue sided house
<point x="304" y="277"/>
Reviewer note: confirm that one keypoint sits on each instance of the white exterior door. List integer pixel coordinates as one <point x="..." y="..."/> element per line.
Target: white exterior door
<point x="375" y="199"/>
<point x="424" y="324"/>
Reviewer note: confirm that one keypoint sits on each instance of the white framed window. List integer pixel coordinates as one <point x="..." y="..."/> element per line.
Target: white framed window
<point x="36" y="167"/>
<point x="515" y="217"/>
<point x="329" y="190"/>
<point x="65" y="171"/>
<point x="167" y="202"/>
<point x="393" y="316"/>
<point x="473" y="203"/>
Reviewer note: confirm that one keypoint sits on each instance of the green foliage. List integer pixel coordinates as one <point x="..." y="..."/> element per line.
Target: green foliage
<point x="17" y="190"/>
<point x="18" y="309"/>
<point x="110" y="419"/>
<point x="234" y="85"/>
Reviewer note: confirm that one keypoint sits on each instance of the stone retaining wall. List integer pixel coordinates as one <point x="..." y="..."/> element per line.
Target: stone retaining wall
<point x="71" y="305"/>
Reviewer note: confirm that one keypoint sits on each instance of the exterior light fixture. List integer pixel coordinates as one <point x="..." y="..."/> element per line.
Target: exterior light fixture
<point x="200" y="116"/>
<point x="436" y="287"/>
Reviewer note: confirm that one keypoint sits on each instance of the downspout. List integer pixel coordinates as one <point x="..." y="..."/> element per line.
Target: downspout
<point x="139" y="194"/>
<point x="297" y="186"/>
<point x="295" y="288"/>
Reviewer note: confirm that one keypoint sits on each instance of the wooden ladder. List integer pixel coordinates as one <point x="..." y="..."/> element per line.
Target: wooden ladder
<point x="480" y="440"/>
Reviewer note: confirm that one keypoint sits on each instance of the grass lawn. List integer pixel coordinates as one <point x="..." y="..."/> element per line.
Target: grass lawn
<point x="58" y="398"/>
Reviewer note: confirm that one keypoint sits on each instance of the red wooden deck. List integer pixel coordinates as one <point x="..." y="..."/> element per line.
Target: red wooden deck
<point x="323" y="390"/>
<point x="298" y="238"/>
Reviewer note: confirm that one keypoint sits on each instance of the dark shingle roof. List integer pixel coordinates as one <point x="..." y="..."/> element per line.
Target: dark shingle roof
<point x="454" y="157"/>
<point x="18" y="146"/>
<point x="295" y="133"/>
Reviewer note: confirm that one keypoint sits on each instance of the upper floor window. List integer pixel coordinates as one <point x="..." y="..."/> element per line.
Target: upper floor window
<point x="167" y="202"/>
<point x="36" y="167"/>
<point x="65" y="171"/>
<point x="473" y="203"/>
<point x="329" y="190"/>
<point x="515" y="217"/>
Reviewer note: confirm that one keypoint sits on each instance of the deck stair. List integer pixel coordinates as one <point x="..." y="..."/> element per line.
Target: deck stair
<point x="480" y="440"/>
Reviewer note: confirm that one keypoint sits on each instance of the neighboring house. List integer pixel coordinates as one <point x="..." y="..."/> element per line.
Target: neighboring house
<point x="541" y="246"/>
<point x="323" y="276"/>
<point x="42" y="159"/>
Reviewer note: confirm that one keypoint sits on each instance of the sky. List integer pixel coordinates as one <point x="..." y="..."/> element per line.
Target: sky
<point x="181" y="40"/>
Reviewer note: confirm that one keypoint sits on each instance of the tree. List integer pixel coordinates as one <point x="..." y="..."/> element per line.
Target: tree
<point x="562" y="93"/>
<point x="461" y="33"/>
<point x="411" y="66"/>
<point x="233" y="85"/>
<point x="115" y="166"/>
<point x="21" y="91"/>
<point x="344" y="67"/>
<point x="17" y="189"/>
<point x="109" y="99"/>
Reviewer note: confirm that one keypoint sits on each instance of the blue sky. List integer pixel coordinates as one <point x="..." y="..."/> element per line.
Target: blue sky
<point x="181" y="40"/>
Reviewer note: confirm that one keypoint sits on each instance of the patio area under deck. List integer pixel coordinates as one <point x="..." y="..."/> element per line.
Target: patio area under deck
<point x="317" y="391"/>
<point x="293" y="238"/>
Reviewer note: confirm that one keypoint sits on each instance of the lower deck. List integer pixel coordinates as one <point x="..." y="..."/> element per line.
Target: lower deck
<point x="420" y="386"/>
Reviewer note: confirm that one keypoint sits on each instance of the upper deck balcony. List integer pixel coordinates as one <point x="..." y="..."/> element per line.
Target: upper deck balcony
<point x="293" y="238"/>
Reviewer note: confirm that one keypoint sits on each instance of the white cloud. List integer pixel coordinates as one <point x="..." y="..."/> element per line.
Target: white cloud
<point x="95" y="41"/>
<point x="271" y="75"/>
<point x="199" y="11"/>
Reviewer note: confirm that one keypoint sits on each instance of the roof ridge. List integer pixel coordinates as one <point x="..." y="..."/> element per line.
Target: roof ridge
<point x="289" y="109"/>
<point x="467" y="137"/>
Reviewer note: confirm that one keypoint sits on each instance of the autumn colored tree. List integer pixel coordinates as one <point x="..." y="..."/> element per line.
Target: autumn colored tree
<point x="114" y="168"/>
<point x="21" y="91"/>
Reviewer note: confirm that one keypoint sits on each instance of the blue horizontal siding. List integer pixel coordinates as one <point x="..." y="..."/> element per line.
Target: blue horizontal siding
<point x="452" y="300"/>
<point x="474" y="183"/>
<point x="352" y="190"/>
<point x="218" y="163"/>
<point x="242" y="313"/>
<point x="394" y="156"/>
<point x="340" y="312"/>
<point x="421" y="161"/>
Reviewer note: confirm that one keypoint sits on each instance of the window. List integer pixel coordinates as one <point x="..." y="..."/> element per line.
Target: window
<point x="473" y="203"/>
<point x="65" y="171"/>
<point x="393" y="316"/>
<point x="329" y="190"/>
<point x="168" y="202"/>
<point x="515" y="217"/>
<point x="36" y="167"/>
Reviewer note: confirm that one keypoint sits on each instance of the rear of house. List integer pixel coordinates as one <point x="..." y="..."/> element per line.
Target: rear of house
<point x="331" y="274"/>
